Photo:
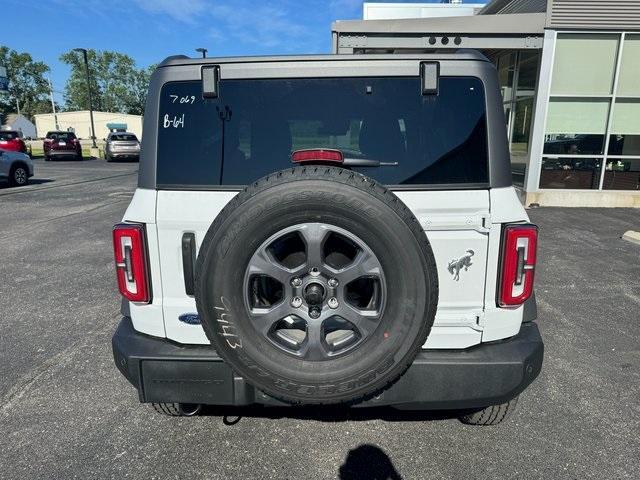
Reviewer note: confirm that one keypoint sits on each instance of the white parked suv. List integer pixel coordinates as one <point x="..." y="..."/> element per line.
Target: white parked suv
<point x="323" y="230"/>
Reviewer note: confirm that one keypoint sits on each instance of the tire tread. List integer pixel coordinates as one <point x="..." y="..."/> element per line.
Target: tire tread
<point x="169" y="409"/>
<point x="491" y="415"/>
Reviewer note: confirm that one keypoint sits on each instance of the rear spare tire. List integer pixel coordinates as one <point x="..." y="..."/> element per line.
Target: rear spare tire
<point x="317" y="285"/>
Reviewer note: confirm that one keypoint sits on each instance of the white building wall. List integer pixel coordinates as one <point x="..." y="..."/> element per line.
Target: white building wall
<point x="390" y="11"/>
<point x="80" y="122"/>
<point x="22" y="124"/>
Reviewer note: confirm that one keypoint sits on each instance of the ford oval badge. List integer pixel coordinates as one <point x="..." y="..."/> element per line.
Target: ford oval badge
<point x="190" y="318"/>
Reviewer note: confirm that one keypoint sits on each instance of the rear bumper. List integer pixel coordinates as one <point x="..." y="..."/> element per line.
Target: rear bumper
<point x="122" y="154"/>
<point x="488" y="374"/>
<point x="61" y="153"/>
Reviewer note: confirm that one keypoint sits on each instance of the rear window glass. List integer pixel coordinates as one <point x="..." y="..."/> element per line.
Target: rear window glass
<point x="252" y="128"/>
<point x="8" y="135"/>
<point x="64" y="136"/>
<point x="124" y="137"/>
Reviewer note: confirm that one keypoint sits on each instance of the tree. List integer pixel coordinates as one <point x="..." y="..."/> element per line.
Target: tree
<point x="138" y="91"/>
<point x="117" y="85"/>
<point x="28" y="88"/>
<point x="76" y="95"/>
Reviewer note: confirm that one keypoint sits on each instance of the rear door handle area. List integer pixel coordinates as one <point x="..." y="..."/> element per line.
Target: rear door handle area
<point x="189" y="261"/>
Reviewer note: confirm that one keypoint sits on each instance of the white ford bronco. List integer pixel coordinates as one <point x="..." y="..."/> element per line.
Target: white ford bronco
<point x="322" y="230"/>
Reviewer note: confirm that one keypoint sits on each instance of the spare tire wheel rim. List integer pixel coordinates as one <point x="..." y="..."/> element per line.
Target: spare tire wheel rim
<point x="315" y="291"/>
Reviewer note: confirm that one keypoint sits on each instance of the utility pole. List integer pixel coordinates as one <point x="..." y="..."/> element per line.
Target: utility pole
<point x="53" y="104"/>
<point x="203" y="51"/>
<point x="86" y="66"/>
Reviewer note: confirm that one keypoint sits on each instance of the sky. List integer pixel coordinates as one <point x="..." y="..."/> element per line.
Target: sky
<point x="150" y="30"/>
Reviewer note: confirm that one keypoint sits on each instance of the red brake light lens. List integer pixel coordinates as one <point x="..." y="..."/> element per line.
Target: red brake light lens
<point x="519" y="243"/>
<point x="317" y="155"/>
<point x="130" y="252"/>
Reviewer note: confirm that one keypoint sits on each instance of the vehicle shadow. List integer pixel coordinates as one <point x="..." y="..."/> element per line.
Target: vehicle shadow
<point x="64" y="160"/>
<point x="32" y="181"/>
<point x="124" y="160"/>
<point x="368" y="462"/>
<point x="328" y="414"/>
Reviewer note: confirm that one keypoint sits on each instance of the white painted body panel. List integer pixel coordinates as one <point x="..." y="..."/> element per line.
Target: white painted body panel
<point x="454" y="221"/>
<point x="148" y="318"/>
<point x="500" y="323"/>
<point x="179" y="212"/>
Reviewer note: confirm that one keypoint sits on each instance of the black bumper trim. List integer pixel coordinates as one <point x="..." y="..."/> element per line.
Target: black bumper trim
<point x="488" y="374"/>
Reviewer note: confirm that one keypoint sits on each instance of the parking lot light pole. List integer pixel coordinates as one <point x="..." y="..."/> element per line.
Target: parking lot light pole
<point x="86" y="66"/>
<point x="203" y="51"/>
<point x="53" y="103"/>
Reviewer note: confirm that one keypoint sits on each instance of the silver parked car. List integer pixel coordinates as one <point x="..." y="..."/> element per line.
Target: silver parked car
<point x="16" y="167"/>
<point x="122" y="145"/>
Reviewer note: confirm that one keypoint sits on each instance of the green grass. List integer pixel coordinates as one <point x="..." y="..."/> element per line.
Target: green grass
<point x="38" y="152"/>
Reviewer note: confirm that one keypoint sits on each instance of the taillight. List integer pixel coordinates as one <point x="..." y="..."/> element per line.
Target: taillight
<point x="130" y="252"/>
<point x="317" y="155"/>
<point x="519" y="244"/>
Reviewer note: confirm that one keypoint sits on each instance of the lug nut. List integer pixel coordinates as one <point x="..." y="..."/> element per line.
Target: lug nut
<point x="296" y="302"/>
<point x="333" y="282"/>
<point x="314" y="312"/>
<point x="296" y="282"/>
<point x="333" y="302"/>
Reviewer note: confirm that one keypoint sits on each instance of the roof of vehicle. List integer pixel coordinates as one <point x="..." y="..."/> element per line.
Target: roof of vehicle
<point x="122" y="133"/>
<point x="462" y="54"/>
<point x="59" y="131"/>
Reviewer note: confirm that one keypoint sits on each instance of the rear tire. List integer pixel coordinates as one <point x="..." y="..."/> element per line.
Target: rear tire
<point x="47" y="158"/>
<point x="492" y="415"/>
<point x="177" y="409"/>
<point x="19" y="176"/>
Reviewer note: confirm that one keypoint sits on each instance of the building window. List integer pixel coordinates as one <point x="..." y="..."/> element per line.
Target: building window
<point x="625" y="128"/>
<point x="622" y="170"/>
<point x="629" y="83"/>
<point x="518" y="73"/>
<point x="592" y="136"/>
<point x="576" y="126"/>
<point x="584" y="64"/>
<point x="570" y="172"/>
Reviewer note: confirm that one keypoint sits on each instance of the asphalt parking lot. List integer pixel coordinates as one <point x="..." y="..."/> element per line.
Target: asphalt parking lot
<point x="66" y="412"/>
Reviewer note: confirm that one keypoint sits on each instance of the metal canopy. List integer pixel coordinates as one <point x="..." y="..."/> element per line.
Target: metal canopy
<point x="514" y="6"/>
<point x="507" y="31"/>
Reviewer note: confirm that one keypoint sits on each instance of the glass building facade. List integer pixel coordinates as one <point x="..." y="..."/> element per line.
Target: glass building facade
<point x="592" y="124"/>
<point x="569" y="71"/>
<point x="518" y="74"/>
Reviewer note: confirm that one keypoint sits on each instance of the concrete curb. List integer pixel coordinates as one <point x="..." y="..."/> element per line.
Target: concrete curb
<point x="631" y="236"/>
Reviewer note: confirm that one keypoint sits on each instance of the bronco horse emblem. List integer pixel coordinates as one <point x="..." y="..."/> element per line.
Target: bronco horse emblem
<point x="463" y="262"/>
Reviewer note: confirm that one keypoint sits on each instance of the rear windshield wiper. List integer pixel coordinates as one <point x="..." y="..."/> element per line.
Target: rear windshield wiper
<point x="367" y="162"/>
<point x="332" y="155"/>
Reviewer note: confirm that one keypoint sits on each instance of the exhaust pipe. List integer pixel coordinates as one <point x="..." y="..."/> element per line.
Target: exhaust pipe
<point x="189" y="409"/>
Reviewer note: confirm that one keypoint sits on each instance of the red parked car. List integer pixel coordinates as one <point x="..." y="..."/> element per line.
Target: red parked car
<point x="62" y="144"/>
<point x="12" y="140"/>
